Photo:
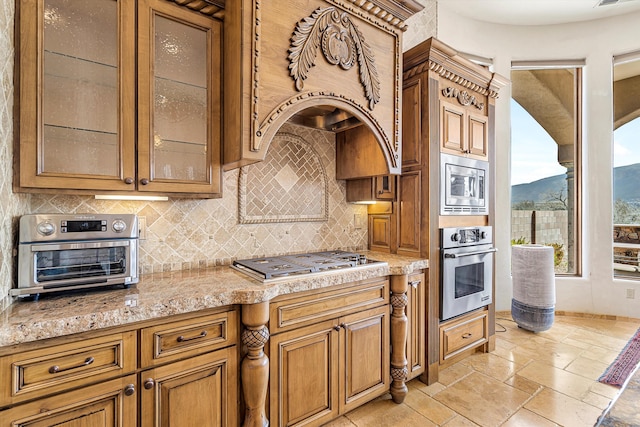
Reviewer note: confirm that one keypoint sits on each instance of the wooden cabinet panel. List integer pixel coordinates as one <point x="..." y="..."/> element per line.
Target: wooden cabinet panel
<point x="109" y="404"/>
<point x="380" y="232"/>
<point x="463" y="333"/>
<point x="296" y="310"/>
<point x="409" y="210"/>
<point x="41" y="372"/>
<point x="453" y="128"/>
<point x="377" y="188"/>
<point x="366" y="357"/>
<point x="197" y="391"/>
<point x="478" y="135"/>
<point x="304" y="375"/>
<point x="416" y="314"/>
<point x="412" y="123"/>
<point x="177" y="340"/>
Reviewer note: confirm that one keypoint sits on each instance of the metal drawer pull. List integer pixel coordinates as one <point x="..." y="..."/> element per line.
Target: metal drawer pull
<point x="56" y="369"/>
<point x="414" y="283"/>
<point x="183" y="339"/>
<point x="467" y="335"/>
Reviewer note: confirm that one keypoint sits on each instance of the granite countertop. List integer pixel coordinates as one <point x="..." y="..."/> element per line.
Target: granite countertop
<point x="165" y="294"/>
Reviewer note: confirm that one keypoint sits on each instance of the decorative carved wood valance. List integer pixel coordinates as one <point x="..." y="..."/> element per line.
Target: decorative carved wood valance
<point x="463" y="97"/>
<point x="341" y="42"/>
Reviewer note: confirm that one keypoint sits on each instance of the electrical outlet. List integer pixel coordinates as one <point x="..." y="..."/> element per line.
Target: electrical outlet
<point x="631" y="294"/>
<point x="142" y="227"/>
<point x="358" y="221"/>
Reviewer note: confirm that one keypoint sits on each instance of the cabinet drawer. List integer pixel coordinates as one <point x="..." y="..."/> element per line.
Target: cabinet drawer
<point x="463" y="334"/>
<point x="185" y="338"/>
<point x="32" y="374"/>
<point x="296" y="310"/>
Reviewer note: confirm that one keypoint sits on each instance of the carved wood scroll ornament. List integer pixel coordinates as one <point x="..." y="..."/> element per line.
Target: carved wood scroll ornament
<point x="342" y="43"/>
<point x="463" y="97"/>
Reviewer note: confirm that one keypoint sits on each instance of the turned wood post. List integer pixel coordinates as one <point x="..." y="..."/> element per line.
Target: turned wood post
<point x="255" y="365"/>
<point x="399" y="326"/>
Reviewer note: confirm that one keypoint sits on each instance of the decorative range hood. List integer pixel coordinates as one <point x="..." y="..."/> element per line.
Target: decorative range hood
<point x="328" y="64"/>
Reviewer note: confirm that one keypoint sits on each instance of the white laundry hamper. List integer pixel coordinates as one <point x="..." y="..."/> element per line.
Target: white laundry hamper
<point x="534" y="286"/>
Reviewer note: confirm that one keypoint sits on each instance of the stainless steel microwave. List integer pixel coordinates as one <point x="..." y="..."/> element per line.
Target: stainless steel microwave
<point x="464" y="185"/>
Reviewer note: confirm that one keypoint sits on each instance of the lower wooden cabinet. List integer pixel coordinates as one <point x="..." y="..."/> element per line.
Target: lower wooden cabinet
<point x="199" y="391"/>
<point x="463" y="333"/>
<point x="108" y="404"/>
<point x="186" y="374"/>
<point x="331" y="367"/>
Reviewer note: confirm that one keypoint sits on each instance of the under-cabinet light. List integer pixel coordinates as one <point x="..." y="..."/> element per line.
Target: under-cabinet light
<point x="142" y="198"/>
<point x="364" y="202"/>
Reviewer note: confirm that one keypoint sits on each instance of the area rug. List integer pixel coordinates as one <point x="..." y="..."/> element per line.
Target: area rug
<point x="627" y="360"/>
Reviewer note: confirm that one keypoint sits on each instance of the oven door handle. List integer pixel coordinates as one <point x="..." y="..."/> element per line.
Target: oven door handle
<point x="488" y="251"/>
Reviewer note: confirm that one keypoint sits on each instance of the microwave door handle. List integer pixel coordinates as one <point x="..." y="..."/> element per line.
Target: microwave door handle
<point x="488" y="251"/>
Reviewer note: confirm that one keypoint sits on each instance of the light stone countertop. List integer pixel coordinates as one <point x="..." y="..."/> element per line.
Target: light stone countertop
<point x="165" y="294"/>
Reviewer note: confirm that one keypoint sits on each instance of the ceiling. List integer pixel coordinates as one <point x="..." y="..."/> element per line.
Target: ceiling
<point x="538" y="12"/>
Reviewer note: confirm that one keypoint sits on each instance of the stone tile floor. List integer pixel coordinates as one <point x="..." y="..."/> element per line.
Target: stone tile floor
<point x="531" y="379"/>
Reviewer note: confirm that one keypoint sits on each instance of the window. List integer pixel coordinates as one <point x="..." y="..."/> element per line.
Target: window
<point x="626" y="166"/>
<point x="546" y="158"/>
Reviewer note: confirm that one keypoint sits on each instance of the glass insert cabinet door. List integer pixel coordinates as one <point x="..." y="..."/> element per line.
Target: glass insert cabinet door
<point x="179" y="99"/>
<point x="76" y="66"/>
<point x="118" y="95"/>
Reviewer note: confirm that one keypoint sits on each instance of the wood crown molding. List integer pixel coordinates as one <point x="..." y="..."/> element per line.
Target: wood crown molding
<point x="443" y="60"/>
<point x="391" y="11"/>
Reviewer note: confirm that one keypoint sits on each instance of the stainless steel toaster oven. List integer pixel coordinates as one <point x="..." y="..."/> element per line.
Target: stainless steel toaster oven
<point x="58" y="252"/>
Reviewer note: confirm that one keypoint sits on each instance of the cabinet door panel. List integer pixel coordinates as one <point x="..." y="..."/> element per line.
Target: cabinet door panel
<point x="366" y="357"/>
<point x="478" y="135"/>
<point x="410" y="205"/>
<point x="411" y="123"/>
<point x="102" y="405"/>
<point x="453" y="128"/>
<point x="179" y="99"/>
<point x="197" y="391"/>
<point x="304" y="372"/>
<point x="77" y="94"/>
<point x="380" y="232"/>
<point x="416" y="310"/>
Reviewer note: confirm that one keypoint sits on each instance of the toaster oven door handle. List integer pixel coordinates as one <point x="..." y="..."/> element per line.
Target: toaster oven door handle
<point x="79" y="245"/>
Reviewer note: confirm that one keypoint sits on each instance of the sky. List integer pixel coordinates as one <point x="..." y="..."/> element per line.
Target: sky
<point x="534" y="155"/>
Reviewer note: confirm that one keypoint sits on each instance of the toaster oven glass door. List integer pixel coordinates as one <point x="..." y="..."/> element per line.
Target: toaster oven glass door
<point x="81" y="262"/>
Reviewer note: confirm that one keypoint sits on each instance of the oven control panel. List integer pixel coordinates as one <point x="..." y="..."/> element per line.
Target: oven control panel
<point x="58" y="227"/>
<point x="454" y="237"/>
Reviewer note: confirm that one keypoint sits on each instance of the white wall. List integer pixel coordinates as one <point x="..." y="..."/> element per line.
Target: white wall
<point x="596" y="42"/>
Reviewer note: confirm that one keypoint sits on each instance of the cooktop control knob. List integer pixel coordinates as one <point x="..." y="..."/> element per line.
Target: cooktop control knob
<point x="119" y="226"/>
<point x="46" y="228"/>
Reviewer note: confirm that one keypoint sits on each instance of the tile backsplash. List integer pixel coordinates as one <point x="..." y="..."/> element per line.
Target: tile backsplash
<point x="187" y="234"/>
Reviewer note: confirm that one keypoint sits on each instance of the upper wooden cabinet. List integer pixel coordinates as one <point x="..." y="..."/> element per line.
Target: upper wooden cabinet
<point x="87" y="121"/>
<point x="464" y="133"/>
<point x="377" y="188"/>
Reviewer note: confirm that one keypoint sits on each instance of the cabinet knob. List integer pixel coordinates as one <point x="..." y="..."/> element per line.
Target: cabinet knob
<point x="336" y="328"/>
<point x="129" y="390"/>
<point x="128" y="180"/>
<point x="149" y="383"/>
<point x="144" y="181"/>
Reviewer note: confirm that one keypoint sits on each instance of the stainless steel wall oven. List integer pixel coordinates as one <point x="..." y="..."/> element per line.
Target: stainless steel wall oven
<point x="59" y="252"/>
<point x="466" y="270"/>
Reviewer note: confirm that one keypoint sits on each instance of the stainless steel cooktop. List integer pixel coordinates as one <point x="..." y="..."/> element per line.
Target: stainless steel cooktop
<point x="284" y="266"/>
